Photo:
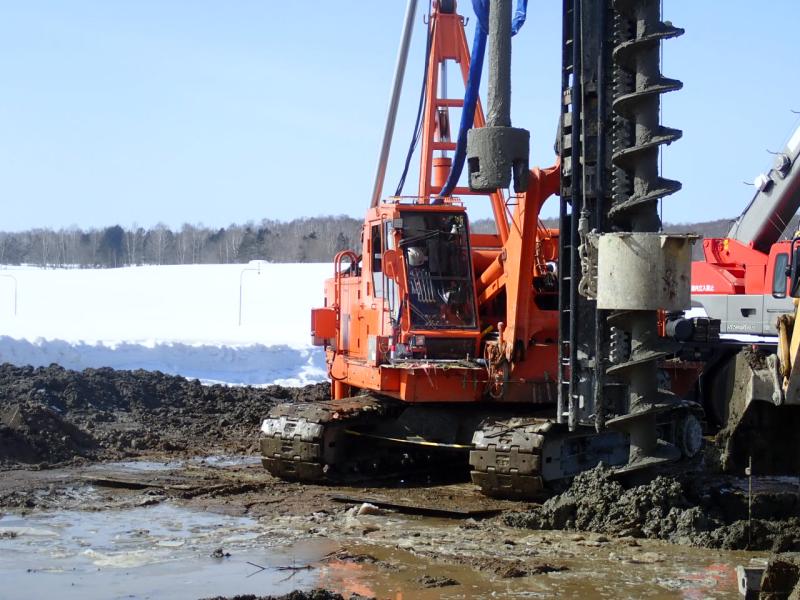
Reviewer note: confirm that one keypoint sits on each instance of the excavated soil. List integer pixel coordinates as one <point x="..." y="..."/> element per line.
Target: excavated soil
<point x="694" y="510"/>
<point x="59" y="429"/>
<point x="297" y="595"/>
<point x="52" y="416"/>
<point x="55" y="417"/>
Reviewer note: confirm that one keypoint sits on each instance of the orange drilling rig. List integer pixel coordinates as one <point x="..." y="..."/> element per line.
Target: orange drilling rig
<point x="530" y="355"/>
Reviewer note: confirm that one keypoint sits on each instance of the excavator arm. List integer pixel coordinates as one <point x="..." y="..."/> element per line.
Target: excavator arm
<point x="515" y="268"/>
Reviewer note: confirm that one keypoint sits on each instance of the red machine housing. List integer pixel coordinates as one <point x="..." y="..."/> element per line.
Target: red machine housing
<point x="731" y="267"/>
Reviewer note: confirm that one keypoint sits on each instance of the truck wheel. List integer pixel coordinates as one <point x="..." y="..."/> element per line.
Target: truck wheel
<point x="689" y="436"/>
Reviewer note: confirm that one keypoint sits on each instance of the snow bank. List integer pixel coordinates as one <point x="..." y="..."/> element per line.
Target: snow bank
<point x="177" y="319"/>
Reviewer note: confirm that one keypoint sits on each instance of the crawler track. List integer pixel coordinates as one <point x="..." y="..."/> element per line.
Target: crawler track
<point x="372" y="439"/>
<point x="507" y="459"/>
<point x="308" y="442"/>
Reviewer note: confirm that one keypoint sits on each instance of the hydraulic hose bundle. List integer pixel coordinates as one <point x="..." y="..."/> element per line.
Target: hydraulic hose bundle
<point x="471" y="92"/>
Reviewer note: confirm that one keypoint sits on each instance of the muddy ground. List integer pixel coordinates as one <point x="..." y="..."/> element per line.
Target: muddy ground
<point x="296" y="595"/>
<point x="84" y="440"/>
<point x="52" y="416"/>
<point x="704" y="511"/>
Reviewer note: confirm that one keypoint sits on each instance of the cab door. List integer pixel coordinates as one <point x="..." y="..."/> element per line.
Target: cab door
<point x="745" y="314"/>
<point x="776" y="300"/>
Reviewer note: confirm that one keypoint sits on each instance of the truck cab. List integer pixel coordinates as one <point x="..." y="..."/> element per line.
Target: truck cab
<point x="742" y="287"/>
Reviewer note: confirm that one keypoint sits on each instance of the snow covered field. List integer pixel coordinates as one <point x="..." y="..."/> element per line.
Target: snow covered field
<point x="177" y="319"/>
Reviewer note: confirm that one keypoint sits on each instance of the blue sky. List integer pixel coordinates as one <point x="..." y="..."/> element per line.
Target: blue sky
<point x="146" y="111"/>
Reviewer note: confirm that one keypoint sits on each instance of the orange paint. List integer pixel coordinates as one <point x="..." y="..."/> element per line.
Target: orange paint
<point x="426" y="297"/>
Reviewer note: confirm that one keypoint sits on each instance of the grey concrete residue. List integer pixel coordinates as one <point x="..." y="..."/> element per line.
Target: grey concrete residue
<point x="707" y="513"/>
<point x="498" y="113"/>
<point x="498" y="151"/>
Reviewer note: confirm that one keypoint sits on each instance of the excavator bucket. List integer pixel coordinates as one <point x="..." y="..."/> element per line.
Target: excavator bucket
<point x="788" y="350"/>
<point x="759" y="427"/>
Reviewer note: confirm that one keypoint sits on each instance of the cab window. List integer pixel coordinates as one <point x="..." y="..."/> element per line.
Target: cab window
<point x="439" y="274"/>
<point x="376" y="254"/>
<point x="779" y="276"/>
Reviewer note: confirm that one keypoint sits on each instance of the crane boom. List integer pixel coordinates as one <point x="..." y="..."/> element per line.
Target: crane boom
<point x="775" y="202"/>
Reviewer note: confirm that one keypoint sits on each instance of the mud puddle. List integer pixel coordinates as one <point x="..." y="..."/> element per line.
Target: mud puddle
<point x="423" y="557"/>
<point x="393" y="573"/>
<point x="136" y="466"/>
<point x="168" y="550"/>
<point x="154" y="552"/>
<point x="220" y="461"/>
<point x="765" y="484"/>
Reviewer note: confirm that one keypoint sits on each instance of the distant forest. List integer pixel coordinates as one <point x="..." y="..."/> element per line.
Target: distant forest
<point x="315" y="239"/>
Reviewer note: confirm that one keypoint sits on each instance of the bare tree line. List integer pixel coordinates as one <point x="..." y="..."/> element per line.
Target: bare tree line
<point x="301" y="240"/>
<point x="315" y="239"/>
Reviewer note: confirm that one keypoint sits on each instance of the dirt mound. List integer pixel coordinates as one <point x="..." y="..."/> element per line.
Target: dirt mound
<point x="51" y="415"/>
<point x="682" y="511"/>
<point x="34" y="433"/>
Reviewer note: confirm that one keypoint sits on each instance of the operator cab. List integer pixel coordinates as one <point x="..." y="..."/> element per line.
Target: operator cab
<point x="428" y="281"/>
<point x="435" y="247"/>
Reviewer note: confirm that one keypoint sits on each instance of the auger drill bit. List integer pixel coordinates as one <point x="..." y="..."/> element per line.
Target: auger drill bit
<point x="640" y="105"/>
<point x="638" y="187"/>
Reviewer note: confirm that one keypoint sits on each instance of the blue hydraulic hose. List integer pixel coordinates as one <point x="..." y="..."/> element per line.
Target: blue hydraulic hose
<point x="519" y="16"/>
<point x="481" y="8"/>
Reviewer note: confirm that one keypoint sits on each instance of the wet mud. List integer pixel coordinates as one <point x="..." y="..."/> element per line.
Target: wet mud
<point x="197" y="534"/>
<point x="296" y="595"/>
<point x="697" y="510"/>
<point x="112" y="454"/>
